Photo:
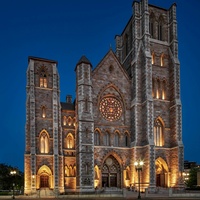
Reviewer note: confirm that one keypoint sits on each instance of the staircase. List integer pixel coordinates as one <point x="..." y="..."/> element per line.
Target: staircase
<point x="46" y="192"/>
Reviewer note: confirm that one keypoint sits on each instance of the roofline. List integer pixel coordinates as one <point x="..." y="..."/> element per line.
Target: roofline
<point x="41" y="59"/>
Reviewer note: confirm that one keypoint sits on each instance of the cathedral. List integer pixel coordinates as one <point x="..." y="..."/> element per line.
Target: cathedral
<point x="127" y="110"/>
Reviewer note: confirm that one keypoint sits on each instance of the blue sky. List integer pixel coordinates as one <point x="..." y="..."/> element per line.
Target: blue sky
<point x="64" y="30"/>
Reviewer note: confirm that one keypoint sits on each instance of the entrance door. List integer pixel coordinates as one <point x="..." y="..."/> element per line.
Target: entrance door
<point x="158" y="180"/>
<point x="44" y="181"/>
<point x="113" y="180"/>
<point x="105" y="182"/>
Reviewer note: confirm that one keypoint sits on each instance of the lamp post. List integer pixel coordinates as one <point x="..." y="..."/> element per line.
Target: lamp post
<point x="13" y="173"/>
<point x="138" y="168"/>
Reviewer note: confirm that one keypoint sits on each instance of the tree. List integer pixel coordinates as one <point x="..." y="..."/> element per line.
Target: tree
<point x="192" y="181"/>
<point x="7" y="179"/>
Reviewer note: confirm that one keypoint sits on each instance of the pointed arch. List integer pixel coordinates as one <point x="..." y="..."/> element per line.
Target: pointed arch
<point x="106" y="138"/>
<point x="159" y="132"/>
<point x="153" y="58"/>
<point x="43" y="111"/>
<point x="162" y="172"/>
<point x="64" y="120"/>
<point x="116" y="139"/>
<point x="44" y="177"/>
<point x="160" y="31"/>
<point x="152" y="25"/>
<point x="69" y="121"/>
<point x="164" y="88"/>
<point x="69" y="141"/>
<point x="44" y="141"/>
<point x="162" y="60"/>
<point x="42" y="76"/>
<point x="111" y="172"/>
<point x="97" y="137"/>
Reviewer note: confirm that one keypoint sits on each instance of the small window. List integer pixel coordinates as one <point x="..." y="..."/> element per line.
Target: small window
<point x="69" y="141"/>
<point x="153" y="58"/>
<point x="64" y="120"/>
<point x="43" y="77"/>
<point x="43" y="112"/>
<point x="116" y="139"/>
<point x="106" y="139"/>
<point x="162" y="60"/>
<point x="96" y="138"/>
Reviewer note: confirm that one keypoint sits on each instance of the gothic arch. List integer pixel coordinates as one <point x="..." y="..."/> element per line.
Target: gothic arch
<point x="159" y="132"/>
<point x="44" y="177"/>
<point x="111" y="172"/>
<point x="44" y="141"/>
<point x="162" y="172"/>
<point x="69" y="141"/>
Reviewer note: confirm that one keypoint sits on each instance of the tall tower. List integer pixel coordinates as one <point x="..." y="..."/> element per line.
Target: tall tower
<point x="148" y="50"/>
<point x="43" y="155"/>
<point x="84" y="127"/>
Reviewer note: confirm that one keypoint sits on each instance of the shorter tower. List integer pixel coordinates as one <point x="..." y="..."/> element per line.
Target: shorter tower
<point x="84" y="127"/>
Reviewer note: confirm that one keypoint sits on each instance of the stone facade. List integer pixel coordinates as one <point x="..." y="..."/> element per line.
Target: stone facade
<point x="127" y="109"/>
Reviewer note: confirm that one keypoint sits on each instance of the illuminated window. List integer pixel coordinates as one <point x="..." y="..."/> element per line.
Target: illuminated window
<point x="164" y="90"/>
<point x="70" y="121"/>
<point x="96" y="138"/>
<point x="44" y="142"/>
<point x="158" y="133"/>
<point x="110" y="108"/>
<point x="69" y="141"/>
<point x="158" y="89"/>
<point x="43" y="112"/>
<point x="162" y="60"/>
<point x="43" y="78"/>
<point x="153" y="88"/>
<point x="106" y="139"/>
<point x="153" y="58"/>
<point x="64" y="120"/>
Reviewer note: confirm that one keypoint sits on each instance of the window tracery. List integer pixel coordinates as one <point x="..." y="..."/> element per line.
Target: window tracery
<point x="158" y="133"/>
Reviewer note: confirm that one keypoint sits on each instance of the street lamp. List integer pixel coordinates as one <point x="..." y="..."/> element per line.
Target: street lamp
<point x="13" y="173"/>
<point x="138" y="168"/>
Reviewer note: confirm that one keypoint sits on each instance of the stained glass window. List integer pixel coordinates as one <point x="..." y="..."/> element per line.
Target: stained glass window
<point x="110" y="108"/>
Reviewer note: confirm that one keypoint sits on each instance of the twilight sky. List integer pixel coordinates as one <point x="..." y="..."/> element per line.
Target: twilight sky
<point x="64" y="30"/>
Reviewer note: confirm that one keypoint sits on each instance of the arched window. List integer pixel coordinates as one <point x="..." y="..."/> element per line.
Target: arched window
<point x="158" y="89"/>
<point x="96" y="138"/>
<point x="162" y="60"/>
<point x="43" y="77"/>
<point x="126" y="140"/>
<point x="69" y="141"/>
<point x="44" y="142"/>
<point x="116" y="139"/>
<point x="69" y="120"/>
<point x="153" y="58"/>
<point x="164" y="90"/>
<point x="64" y="120"/>
<point x="43" y="111"/>
<point x="106" y="139"/>
<point x="158" y="133"/>
<point x="153" y="88"/>
<point x="151" y="25"/>
<point x="160" y="29"/>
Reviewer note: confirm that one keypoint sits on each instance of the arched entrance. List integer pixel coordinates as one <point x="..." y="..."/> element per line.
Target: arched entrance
<point x="111" y="173"/>
<point x="44" y="177"/>
<point x="162" y="173"/>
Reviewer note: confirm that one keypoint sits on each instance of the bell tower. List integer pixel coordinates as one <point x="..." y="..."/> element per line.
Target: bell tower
<point x="43" y="127"/>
